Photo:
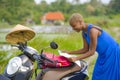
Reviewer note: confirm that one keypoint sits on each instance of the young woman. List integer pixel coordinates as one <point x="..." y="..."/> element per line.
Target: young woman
<point x="96" y="39"/>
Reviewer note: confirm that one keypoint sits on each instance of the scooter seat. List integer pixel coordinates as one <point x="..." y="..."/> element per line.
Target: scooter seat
<point x="57" y="73"/>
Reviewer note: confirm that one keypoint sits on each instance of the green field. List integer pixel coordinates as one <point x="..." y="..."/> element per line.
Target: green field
<point x="70" y="41"/>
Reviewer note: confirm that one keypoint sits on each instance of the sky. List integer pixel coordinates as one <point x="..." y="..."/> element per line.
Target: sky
<point x="82" y="1"/>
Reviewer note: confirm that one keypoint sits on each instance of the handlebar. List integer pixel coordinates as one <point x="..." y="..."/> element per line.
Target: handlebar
<point x="41" y="58"/>
<point x="34" y="55"/>
<point x="43" y="61"/>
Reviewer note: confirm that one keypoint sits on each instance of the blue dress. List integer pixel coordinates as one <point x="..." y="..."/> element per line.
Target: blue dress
<point x="107" y="66"/>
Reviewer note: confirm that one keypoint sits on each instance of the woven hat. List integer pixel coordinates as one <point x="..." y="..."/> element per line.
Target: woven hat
<point x="20" y="33"/>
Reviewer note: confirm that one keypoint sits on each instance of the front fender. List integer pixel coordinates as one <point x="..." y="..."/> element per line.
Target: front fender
<point x="3" y="77"/>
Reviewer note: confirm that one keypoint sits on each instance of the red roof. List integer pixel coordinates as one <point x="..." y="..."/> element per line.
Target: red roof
<point x="54" y="16"/>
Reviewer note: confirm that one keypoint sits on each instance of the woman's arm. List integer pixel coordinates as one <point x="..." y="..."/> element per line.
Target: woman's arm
<point x="94" y="33"/>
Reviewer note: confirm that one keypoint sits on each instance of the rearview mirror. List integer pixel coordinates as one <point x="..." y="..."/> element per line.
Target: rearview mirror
<point x="53" y="45"/>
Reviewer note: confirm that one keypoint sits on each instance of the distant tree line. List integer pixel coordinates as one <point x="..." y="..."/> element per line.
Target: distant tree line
<point x="19" y="11"/>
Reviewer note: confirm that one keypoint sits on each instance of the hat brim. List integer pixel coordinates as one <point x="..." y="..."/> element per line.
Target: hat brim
<point x="20" y="35"/>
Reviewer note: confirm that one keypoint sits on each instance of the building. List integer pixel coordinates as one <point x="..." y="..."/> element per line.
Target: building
<point x="56" y="18"/>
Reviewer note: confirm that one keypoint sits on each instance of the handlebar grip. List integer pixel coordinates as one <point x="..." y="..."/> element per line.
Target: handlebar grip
<point x="43" y="56"/>
<point x="49" y="60"/>
<point x="36" y="57"/>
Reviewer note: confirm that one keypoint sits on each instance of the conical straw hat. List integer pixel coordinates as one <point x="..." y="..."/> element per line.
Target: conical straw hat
<point x="20" y="33"/>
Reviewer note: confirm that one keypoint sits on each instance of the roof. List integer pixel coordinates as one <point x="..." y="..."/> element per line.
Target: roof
<point x="54" y="16"/>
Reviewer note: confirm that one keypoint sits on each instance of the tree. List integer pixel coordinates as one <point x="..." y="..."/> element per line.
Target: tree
<point x="15" y="11"/>
<point x="114" y="6"/>
<point x="90" y="9"/>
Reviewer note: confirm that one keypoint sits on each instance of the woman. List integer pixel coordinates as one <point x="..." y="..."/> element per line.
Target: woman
<point x="96" y="39"/>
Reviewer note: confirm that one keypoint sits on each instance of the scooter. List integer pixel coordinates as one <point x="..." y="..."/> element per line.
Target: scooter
<point x="22" y="66"/>
<point x="52" y="67"/>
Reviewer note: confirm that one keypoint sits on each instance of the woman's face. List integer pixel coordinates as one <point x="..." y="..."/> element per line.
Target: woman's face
<point x="77" y="26"/>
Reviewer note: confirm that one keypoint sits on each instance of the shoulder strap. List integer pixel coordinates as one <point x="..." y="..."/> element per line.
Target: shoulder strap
<point x="89" y="27"/>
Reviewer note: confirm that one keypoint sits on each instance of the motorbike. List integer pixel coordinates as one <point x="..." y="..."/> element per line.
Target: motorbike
<point x="22" y="66"/>
<point x="51" y="66"/>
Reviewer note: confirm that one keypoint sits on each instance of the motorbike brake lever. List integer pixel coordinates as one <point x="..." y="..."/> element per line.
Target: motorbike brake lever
<point x="49" y="60"/>
<point x="43" y="56"/>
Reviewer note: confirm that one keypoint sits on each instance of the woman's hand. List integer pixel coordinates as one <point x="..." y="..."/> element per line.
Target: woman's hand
<point x="72" y="59"/>
<point x="64" y="51"/>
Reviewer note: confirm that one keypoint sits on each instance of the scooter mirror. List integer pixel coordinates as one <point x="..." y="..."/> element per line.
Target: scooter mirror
<point x="53" y="45"/>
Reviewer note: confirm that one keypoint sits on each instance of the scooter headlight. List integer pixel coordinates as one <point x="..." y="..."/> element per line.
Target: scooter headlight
<point x="14" y="65"/>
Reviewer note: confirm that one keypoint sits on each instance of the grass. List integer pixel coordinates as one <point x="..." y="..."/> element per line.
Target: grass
<point x="65" y="41"/>
<point x="2" y="37"/>
<point x="5" y="25"/>
<point x="104" y="21"/>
